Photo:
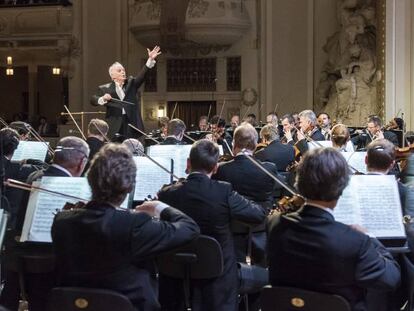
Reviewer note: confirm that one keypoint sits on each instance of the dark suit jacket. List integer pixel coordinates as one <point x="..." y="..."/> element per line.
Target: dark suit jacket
<point x="280" y="154"/>
<point x="309" y="249"/>
<point x="99" y="246"/>
<point x="172" y="141"/>
<point x="213" y="204"/>
<point x="114" y="111"/>
<point x="362" y="141"/>
<point x="248" y="180"/>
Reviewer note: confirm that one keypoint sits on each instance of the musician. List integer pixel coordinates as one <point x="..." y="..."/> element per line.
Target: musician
<point x="324" y="121"/>
<point x="308" y="131"/>
<point x="280" y="154"/>
<point x="134" y="146"/>
<point x="272" y="119"/>
<point x="380" y="160"/>
<point x="97" y="134"/>
<point x="212" y="204"/>
<point x="101" y="246"/>
<point x="251" y="182"/>
<point x="309" y="249"/>
<point x="22" y="128"/>
<point x="373" y="132"/>
<point x="219" y="134"/>
<point x="234" y="122"/>
<point x="122" y="88"/>
<point x="203" y="124"/>
<point x="175" y="133"/>
<point x="289" y="129"/>
<point x="251" y="118"/>
<point x="340" y="137"/>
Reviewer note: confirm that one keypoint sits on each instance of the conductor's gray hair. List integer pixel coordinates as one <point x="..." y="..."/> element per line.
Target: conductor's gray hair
<point x="69" y="151"/>
<point x="310" y="115"/>
<point x="112" y="67"/>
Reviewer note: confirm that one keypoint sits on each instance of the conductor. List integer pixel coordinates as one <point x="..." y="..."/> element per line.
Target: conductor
<point x="121" y="97"/>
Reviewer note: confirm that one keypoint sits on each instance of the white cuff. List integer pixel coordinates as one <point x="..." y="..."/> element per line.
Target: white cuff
<point x="150" y="63"/>
<point x="101" y="101"/>
<point x="159" y="208"/>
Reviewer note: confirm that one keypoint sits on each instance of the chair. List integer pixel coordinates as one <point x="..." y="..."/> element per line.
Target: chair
<point x="201" y="259"/>
<point x="90" y="299"/>
<point x="296" y="299"/>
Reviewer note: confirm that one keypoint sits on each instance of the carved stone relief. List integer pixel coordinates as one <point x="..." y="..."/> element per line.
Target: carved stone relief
<point x="347" y="89"/>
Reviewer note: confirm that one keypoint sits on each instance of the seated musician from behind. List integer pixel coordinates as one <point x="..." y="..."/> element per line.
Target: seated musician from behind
<point x="212" y="204"/>
<point x="134" y="146"/>
<point x="251" y="182"/>
<point x="280" y="154"/>
<point x="339" y="137"/>
<point x="372" y="132"/>
<point x="101" y="246"/>
<point x="97" y="135"/>
<point x="175" y="133"/>
<point x="310" y="250"/>
<point x="380" y="160"/>
<point x="219" y="134"/>
<point x="22" y="128"/>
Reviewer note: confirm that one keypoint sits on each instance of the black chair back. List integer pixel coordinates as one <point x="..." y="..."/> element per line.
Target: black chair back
<point x="202" y="259"/>
<point x="90" y="299"/>
<point x="296" y="299"/>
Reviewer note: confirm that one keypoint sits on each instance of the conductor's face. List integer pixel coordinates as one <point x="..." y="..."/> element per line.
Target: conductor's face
<point x="118" y="74"/>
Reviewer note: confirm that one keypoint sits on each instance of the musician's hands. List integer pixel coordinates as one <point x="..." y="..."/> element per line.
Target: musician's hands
<point x="288" y="135"/>
<point x="107" y="97"/>
<point x="148" y="207"/>
<point x="154" y="53"/>
<point x="379" y="135"/>
<point x="300" y="135"/>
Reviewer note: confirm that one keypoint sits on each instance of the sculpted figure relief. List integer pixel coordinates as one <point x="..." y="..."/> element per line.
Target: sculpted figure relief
<point x="347" y="87"/>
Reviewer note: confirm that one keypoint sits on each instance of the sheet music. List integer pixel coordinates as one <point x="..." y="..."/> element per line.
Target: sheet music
<point x="373" y="202"/>
<point x="43" y="206"/>
<point x="328" y="143"/>
<point x="178" y="153"/>
<point x="356" y="160"/>
<point x="30" y="150"/>
<point x="150" y="177"/>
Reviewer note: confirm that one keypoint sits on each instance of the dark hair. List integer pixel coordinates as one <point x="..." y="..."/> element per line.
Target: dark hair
<point x="21" y="127"/>
<point x="321" y="113"/>
<point x="400" y="123"/>
<point x="9" y="140"/>
<point x="375" y="119"/>
<point x="289" y="117"/>
<point x="112" y="174"/>
<point x="175" y="127"/>
<point x="322" y="175"/>
<point x="380" y="154"/>
<point x="98" y="126"/>
<point x="245" y="136"/>
<point x="251" y="115"/>
<point x="204" y="155"/>
<point x="217" y="120"/>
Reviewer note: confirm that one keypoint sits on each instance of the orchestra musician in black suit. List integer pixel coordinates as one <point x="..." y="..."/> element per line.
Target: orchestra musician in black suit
<point x="372" y="132"/>
<point x="102" y="246"/>
<point x="122" y="88"/>
<point x="175" y="133"/>
<point x="309" y="249"/>
<point x="97" y="136"/>
<point x="213" y="205"/>
<point x="280" y="154"/>
<point x="308" y="132"/>
<point x="70" y="158"/>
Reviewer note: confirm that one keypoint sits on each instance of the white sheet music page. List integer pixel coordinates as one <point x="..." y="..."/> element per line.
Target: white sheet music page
<point x="327" y="143"/>
<point x="30" y="150"/>
<point x="373" y="202"/>
<point x="179" y="153"/>
<point x="356" y="160"/>
<point x="150" y="177"/>
<point x="42" y="206"/>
